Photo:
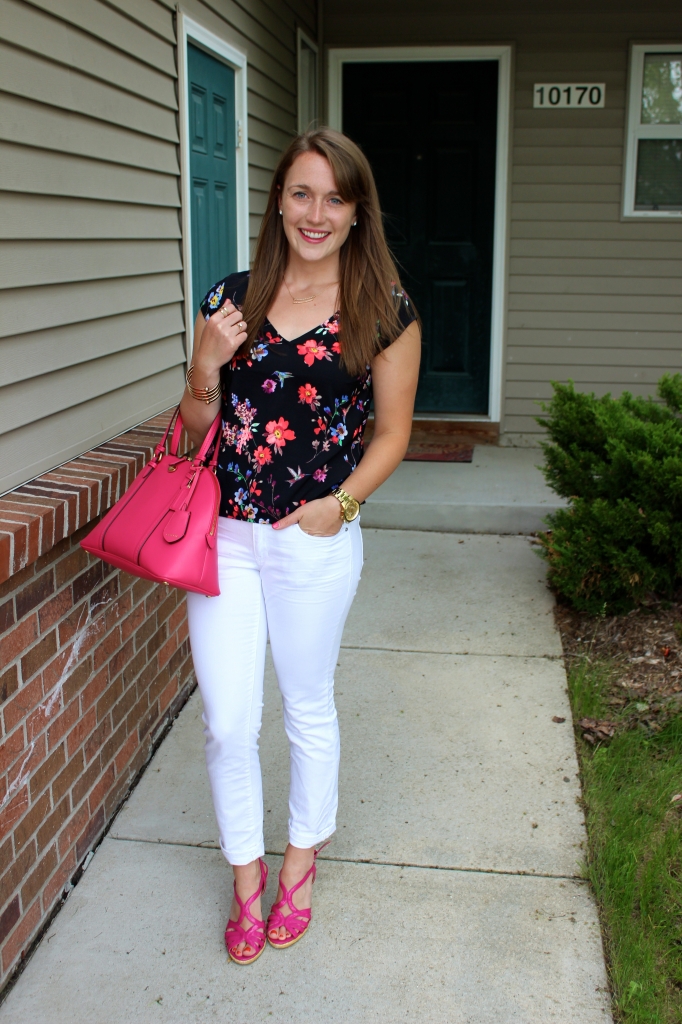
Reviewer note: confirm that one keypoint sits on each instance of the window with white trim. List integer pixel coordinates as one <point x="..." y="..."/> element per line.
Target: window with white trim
<point x="653" y="163"/>
<point x="307" y="82"/>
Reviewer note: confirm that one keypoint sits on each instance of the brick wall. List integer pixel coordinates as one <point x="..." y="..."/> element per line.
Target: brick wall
<point x="93" y="664"/>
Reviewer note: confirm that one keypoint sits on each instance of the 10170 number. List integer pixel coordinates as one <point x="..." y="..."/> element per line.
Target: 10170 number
<point x="562" y="94"/>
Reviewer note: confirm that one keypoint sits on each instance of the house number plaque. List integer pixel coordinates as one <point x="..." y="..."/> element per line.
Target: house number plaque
<point x="569" y="94"/>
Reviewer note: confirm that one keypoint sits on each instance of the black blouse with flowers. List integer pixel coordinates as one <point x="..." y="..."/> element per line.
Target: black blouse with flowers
<point x="293" y="418"/>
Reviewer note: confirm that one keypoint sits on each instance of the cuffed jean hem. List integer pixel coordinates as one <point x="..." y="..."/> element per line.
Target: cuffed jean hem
<point x="239" y="858"/>
<point x="303" y="842"/>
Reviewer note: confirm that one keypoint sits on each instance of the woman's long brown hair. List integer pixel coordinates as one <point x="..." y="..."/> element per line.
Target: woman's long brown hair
<point x="369" y="287"/>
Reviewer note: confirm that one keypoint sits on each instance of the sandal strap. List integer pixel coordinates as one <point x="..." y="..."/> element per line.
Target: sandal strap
<point x="318" y="851"/>
<point x="296" y="921"/>
<point x="297" y="886"/>
<point x="235" y="932"/>
<point x="245" y="908"/>
<point x="253" y="936"/>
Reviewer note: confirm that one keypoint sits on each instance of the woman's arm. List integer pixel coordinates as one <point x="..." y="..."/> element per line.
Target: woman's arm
<point x="395" y="372"/>
<point x="394" y="375"/>
<point x="215" y="342"/>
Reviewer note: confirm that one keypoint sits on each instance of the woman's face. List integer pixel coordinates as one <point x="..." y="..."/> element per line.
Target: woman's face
<point x="316" y="219"/>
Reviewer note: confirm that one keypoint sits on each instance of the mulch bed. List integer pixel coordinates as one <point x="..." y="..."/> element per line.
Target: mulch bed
<point x="644" y="649"/>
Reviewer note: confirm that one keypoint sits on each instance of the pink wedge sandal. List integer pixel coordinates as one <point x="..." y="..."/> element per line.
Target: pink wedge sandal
<point x="255" y="934"/>
<point x="296" y="921"/>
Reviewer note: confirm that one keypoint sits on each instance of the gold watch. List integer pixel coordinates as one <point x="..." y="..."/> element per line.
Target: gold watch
<point x="350" y="507"/>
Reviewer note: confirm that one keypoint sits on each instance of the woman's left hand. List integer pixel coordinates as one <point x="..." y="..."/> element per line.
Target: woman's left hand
<point x="320" y="518"/>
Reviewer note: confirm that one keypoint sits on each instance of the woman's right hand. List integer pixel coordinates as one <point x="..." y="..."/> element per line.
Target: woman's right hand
<point x="215" y="342"/>
<point x="222" y="335"/>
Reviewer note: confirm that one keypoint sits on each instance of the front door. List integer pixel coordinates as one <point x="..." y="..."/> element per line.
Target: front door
<point x="429" y="130"/>
<point x="212" y="148"/>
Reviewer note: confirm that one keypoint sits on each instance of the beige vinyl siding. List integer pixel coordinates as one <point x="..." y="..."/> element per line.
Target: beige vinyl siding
<point x="590" y="297"/>
<point x="95" y="420"/>
<point x="91" y="325"/>
<point x="25" y="216"/>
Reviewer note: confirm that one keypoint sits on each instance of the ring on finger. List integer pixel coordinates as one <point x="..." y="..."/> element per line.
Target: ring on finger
<point x="241" y="326"/>
<point x="225" y="311"/>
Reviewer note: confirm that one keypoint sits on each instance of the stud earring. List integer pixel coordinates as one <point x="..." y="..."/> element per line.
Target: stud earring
<point x="354" y="224"/>
<point x="280" y="213"/>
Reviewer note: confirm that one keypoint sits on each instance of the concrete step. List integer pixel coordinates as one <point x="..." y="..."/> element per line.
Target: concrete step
<point x="500" y="491"/>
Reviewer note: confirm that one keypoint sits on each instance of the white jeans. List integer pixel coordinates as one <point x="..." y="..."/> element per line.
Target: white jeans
<point x="299" y="589"/>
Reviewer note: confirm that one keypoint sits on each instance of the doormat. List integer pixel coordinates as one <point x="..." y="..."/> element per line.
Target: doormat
<point x="443" y="451"/>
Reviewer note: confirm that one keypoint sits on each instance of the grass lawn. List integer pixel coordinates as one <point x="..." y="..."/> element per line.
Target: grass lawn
<point x="634" y="859"/>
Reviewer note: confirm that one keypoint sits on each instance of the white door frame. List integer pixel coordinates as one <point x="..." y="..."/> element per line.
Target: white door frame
<point x="220" y="49"/>
<point x="302" y="38"/>
<point x="503" y="55"/>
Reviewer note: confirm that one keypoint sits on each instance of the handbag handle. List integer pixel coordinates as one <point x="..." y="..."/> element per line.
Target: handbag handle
<point x="211" y="436"/>
<point x="161" y="446"/>
<point x="175" y="440"/>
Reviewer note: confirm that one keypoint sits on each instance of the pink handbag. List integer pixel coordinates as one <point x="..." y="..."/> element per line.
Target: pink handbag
<point x="164" y="527"/>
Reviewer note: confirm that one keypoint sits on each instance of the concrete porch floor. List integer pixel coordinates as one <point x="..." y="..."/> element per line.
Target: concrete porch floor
<point x="501" y="491"/>
<point x="452" y="891"/>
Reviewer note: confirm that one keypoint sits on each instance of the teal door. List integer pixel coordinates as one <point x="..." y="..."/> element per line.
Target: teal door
<point x="429" y="131"/>
<point x="212" y="167"/>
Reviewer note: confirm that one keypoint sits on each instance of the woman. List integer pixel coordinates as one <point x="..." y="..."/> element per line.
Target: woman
<point x="293" y="353"/>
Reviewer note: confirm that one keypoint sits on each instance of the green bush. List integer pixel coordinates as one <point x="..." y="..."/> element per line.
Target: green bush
<point x="619" y="463"/>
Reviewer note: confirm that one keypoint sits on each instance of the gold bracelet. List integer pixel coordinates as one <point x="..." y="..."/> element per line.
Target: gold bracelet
<point x="206" y="395"/>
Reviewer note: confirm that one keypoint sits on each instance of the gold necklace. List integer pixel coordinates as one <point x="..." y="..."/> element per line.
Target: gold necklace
<point x="309" y="299"/>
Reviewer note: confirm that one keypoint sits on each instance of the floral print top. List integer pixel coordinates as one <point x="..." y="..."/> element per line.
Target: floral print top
<point x="293" y="418"/>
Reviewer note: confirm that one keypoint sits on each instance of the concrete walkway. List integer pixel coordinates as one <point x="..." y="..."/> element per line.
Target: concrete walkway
<point x="451" y="893"/>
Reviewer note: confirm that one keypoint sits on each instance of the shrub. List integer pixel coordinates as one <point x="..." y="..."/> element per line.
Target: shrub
<point x="619" y="463"/>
